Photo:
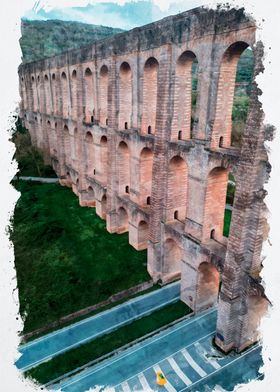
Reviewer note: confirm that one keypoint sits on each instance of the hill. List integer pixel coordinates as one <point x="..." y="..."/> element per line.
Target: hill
<point x="42" y="39"/>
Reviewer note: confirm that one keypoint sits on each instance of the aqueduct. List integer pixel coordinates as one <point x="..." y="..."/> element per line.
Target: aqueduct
<point x="117" y="121"/>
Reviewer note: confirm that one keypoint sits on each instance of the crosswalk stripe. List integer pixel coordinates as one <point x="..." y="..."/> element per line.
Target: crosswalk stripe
<point x="203" y="352"/>
<point x="125" y="387"/>
<point x="193" y="364"/>
<point x="167" y="386"/>
<point x="144" y="382"/>
<point x="178" y="371"/>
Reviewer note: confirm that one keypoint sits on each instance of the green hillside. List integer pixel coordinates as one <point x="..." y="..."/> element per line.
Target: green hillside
<point x="48" y="38"/>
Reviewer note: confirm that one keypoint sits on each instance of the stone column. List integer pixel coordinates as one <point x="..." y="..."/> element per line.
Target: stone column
<point x="163" y="122"/>
<point x="244" y="244"/>
<point x="111" y="221"/>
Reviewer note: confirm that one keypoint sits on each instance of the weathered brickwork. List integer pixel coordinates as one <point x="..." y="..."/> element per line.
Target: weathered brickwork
<point x="117" y="123"/>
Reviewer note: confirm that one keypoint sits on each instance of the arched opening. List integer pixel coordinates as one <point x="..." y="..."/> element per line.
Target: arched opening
<point x="148" y="200"/>
<point x="54" y="93"/>
<point x="48" y="95"/>
<point x="215" y="201"/>
<point x="91" y="194"/>
<point x="125" y="96"/>
<point x="90" y="154"/>
<point x="208" y="286"/>
<point x="103" y="95"/>
<point x="143" y="234"/>
<point x="67" y="150"/>
<point x="103" y="206"/>
<point x="103" y="159"/>
<point x="123" y="168"/>
<point x="177" y="189"/>
<point x="123" y="220"/>
<point x="212" y="234"/>
<point x="185" y="96"/>
<point x="64" y="86"/>
<point x="75" y="187"/>
<point x="74" y="108"/>
<point x="221" y="141"/>
<point x="176" y="215"/>
<point x="149" y="129"/>
<point x="233" y="95"/>
<point x="172" y="257"/>
<point x="229" y="203"/>
<point x="89" y="95"/>
<point x="146" y="166"/>
<point x="107" y="122"/>
<point x="76" y="144"/>
<point x="150" y="86"/>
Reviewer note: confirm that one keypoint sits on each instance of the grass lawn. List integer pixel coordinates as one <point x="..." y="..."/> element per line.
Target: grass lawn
<point x="65" y="259"/>
<point x="227" y="220"/>
<point x="82" y="355"/>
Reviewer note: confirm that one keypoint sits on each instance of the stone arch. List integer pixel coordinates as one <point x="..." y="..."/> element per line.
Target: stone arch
<point x="125" y="96"/>
<point x="103" y="159"/>
<point x="103" y="95"/>
<point x="123" y="220"/>
<point x="54" y="139"/>
<point x="143" y="234"/>
<point x="172" y="257"/>
<point x="177" y="183"/>
<point x="74" y="92"/>
<point x="208" y="285"/>
<point x="34" y="94"/>
<point x="55" y="93"/>
<point x="231" y="185"/>
<point x="90" y="154"/>
<point x="64" y="88"/>
<point x="76" y="144"/>
<point x="48" y="100"/>
<point x="146" y="167"/>
<point x="225" y="96"/>
<point x="184" y="111"/>
<point x="91" y="193"/>
<point x="150" y="87"/>
<point x="123" y="161"/>
<point x="89" y="95"/>
<point x="104" y="206"/>
<point x="66" y="139"/>
<point x="214" y="206"/>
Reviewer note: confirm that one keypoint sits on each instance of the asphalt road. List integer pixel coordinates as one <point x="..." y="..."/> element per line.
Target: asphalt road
<point x="183" y="352"/>
<point x="50" y="345"/>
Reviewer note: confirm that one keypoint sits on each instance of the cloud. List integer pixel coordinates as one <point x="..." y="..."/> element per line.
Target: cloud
<point x="123" y="14"/>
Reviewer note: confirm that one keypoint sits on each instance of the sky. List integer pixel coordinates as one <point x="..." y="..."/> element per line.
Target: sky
<point x="125" y="14"/>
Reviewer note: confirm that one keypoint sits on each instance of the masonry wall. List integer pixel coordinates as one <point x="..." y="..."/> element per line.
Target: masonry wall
<point x="114" y="118"/>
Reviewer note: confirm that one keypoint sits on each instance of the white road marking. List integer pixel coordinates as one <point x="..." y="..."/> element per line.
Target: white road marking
<point x="125" y="387"/>
<point x="191" y="344"/>
<point x="179" y="372"/>
<point x="220" y="369"/>
<point x="144" y="382"/>
<point x="168" y="386"/>
<point x="202" y="352"/>
<point x="193" y="364"/>
<point x="188" y="322"/>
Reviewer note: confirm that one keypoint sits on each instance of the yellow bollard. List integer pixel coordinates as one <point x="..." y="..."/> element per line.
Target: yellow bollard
<point x="161" y="380"/>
